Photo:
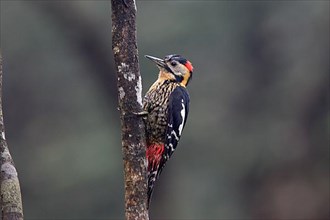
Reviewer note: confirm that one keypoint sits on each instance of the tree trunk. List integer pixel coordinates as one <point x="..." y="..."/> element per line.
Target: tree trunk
<point x="11" y="201"/>
<point x="129" y="84"/>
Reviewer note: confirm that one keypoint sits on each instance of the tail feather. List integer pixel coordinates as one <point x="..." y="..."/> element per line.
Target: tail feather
<point x="151" y="182"/>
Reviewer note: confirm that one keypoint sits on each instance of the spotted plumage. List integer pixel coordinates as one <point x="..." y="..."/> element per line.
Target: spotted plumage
<point x="167" y="107"/>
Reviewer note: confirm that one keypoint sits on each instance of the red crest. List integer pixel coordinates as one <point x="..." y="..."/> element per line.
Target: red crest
<point x="189" y="66"/>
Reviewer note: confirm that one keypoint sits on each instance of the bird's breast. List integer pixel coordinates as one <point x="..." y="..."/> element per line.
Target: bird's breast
<point x="156" y="104"/>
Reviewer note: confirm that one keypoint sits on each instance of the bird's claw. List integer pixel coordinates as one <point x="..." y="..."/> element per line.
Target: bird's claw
<point x="141" y="114"/>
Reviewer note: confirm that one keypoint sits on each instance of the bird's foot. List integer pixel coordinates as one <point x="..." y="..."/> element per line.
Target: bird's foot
<point x="141" y="114"/>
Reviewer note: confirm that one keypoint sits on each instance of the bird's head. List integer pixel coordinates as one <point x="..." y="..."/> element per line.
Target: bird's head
<point x="174" y="67"/>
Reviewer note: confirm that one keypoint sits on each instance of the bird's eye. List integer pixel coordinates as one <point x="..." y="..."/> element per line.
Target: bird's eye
<point x="173" y="63"/>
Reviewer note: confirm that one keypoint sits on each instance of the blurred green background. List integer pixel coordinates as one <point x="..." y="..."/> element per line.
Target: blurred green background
<point x="256" y="145"/>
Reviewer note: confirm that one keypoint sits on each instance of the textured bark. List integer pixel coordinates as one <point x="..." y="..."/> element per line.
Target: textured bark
<point x="124" y="46"/>
<point x="11" y="201"/>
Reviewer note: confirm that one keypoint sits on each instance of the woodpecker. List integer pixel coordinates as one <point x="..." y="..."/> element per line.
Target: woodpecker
<point x="166" y="105"/>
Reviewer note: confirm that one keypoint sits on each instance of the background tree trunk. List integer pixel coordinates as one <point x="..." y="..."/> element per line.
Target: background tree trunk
<point x="129" y="84"/>
<point x="11" y="201"/>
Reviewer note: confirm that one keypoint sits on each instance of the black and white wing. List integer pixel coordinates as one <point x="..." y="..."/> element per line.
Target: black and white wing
<point x="177" y="116"/>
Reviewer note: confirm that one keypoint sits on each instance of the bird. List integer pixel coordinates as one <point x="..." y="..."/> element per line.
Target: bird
<point x="166" y="105"/>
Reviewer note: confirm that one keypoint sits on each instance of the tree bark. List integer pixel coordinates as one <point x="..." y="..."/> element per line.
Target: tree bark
<point x="11" y="201"/>
<point x="124" y="46"/>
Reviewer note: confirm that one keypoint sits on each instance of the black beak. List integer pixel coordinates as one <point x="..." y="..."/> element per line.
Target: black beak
<point x="160" y="63"/>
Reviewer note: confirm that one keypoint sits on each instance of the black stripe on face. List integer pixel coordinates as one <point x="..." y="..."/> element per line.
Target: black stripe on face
<point x="168" y="69"/>
<point x="178" y="78"/>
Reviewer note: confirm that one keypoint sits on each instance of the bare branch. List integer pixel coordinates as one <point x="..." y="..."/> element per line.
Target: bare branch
<point x="124" y="46"/>
<point x="11" y="201"/>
